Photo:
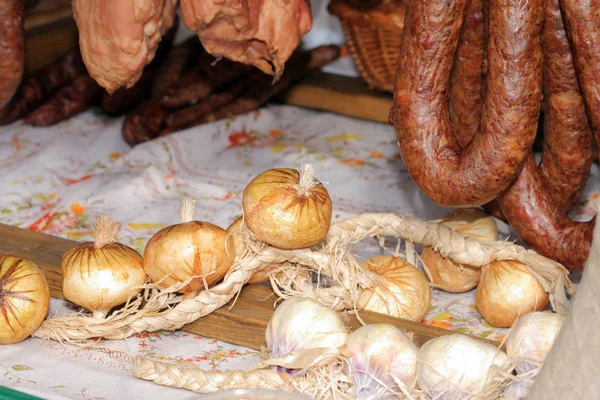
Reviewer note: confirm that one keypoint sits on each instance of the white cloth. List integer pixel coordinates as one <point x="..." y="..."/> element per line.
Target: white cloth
<point x="56" y="180"/>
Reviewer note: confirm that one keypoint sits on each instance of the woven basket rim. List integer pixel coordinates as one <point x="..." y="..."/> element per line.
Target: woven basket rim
<point x="388" y="14"/>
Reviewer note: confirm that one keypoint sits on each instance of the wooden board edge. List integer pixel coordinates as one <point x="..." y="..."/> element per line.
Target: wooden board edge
<point x="339" y="94"/>
<point x="241" y="322"/>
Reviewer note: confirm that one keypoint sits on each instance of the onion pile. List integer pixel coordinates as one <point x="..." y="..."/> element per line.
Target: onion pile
<point x="194" y="254"/>
<point x="506" y="291"/>
<point x="444" y="273"/>
<point x="102" y="274"/>
<point x="402" y="291"/>
<point x="286" y="208"/>
<point x="24" y="298"/>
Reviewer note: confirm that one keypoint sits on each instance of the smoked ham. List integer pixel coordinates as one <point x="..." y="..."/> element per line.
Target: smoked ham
<point x="263" y="33"/>
<point x="118" y="38"/>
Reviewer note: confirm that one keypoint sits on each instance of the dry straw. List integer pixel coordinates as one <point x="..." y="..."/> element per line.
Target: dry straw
<point x="340" y="278"/>
<point x="323" y="380"/>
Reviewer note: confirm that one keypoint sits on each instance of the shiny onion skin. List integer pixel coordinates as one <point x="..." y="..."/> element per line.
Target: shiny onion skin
<point x="506" y="291"/>
<point x="190" y="249"/>
<point x="101" y="278"/>
<point x="24" y="298"/>
<point x="402" y="291"/>
<point x="284" y="212"/>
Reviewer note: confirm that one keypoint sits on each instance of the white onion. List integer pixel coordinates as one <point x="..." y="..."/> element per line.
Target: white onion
<point x="456" y="366"/>
<point x="302" y="323"/>
<point x="517" y="390"/>
<point x="381" y="358"/>
<point x="531" y="338"/>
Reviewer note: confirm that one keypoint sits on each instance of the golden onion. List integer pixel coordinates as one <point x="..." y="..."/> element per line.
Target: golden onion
<point x="444" y="273"/>
<point x="286" y="208"/>
<point x="24" y="298"/>
<point x="401" y="291"/>
<point x="102" y="274"/>
<point x="194" y="251"/>
<point x="506" y="291"/>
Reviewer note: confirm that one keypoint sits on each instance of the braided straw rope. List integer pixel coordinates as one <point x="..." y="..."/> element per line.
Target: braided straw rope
<point x="326" y="381"/>
<point x="163" y="310"/>
<point x="461" y="249"/>
<point x="189" y="376"/>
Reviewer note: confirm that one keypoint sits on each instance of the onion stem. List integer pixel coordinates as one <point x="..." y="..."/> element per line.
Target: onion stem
<point x="306" y="179"/>
<point x="188" y="207"/>
<point x="105" y="231"/>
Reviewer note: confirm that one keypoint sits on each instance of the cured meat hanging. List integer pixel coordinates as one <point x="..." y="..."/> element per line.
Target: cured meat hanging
<point x="493" y="106"/>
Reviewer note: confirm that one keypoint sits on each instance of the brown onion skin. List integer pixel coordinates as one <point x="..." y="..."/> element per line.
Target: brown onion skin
<point x="188" y="249"/>
<point x="448" y="276"/>
<point x="24" y="298"/>
<point x="393" y="271"/>
<point x="279" y="216"/>
<point x="508" y="280"/>
<point x="81" y="264"/>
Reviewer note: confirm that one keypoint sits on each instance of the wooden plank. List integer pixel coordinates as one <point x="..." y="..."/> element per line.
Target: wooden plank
<point x="242" y="323"/>
<point x="339" y="94"/>
<point x="47" y="12"/>
<point x="50" y="32"/>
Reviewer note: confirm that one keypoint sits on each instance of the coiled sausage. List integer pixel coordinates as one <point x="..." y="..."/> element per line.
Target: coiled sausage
<point x="472" y="176"/>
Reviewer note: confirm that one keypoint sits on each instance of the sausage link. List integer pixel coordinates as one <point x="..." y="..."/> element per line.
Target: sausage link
<point x="259" y="88"/>
<point x="468" y="76"/>
<point x="567" y="155"/>
<point x="466" y="92"/>
<point x="124" y="99"/>
<point x="38" y="88"/>
<point x="539" y="222"/>
<point x="527" y="205"/>
<point x="76" y="96"/>
<point x="567" y="152"/>
<point x="582" y="23"/>
<point x="177" y="62"/>
<point x="12" y="48"/>
<point x="146" y="121"/>
<point x="185" y="117"/>
<point x="213" y="76"/>
<point x="472" y="176"/>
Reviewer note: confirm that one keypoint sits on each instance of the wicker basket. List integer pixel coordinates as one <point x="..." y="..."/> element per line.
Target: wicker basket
<point x="373" y="31"/>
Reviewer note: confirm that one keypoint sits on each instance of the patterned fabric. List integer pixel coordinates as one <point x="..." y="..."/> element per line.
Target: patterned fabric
<point x="56" y="180"/>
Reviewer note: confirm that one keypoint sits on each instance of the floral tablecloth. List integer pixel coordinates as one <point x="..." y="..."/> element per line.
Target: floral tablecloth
<point x="56" y="180"/>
